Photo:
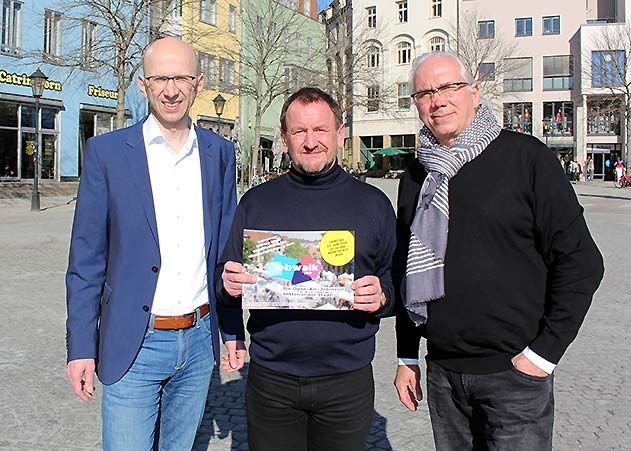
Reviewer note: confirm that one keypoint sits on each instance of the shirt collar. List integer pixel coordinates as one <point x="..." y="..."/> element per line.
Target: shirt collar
<point x="153" y="135"/>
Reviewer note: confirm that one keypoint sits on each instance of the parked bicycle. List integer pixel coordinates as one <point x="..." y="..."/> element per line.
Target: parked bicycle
<point x="623" y="181"/>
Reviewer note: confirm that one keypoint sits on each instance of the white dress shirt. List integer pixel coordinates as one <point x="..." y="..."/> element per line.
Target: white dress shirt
<point x="176" y="184"/>
<point x="534" y="358"/>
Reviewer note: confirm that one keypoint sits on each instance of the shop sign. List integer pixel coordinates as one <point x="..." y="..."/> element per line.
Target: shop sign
<point x="98" y="91"/>
<point x="24" y="80"/>
<point x="29" y="148"/>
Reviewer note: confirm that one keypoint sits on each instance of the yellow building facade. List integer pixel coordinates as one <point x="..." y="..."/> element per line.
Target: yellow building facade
<point x="213" y="28"/>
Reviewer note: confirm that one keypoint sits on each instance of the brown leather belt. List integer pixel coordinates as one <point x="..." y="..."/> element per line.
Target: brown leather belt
<point x="179" y="322"/>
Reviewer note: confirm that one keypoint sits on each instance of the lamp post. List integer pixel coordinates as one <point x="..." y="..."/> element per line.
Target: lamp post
<point x="38" y="80"/>
<point x="219" y="103"/>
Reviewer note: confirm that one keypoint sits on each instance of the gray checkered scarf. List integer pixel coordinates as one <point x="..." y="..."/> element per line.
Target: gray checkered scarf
<point x="424" y="279"/>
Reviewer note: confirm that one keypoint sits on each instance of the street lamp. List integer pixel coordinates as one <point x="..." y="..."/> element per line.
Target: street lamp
<point x="38" y="80"/>
<point x="219" y="102"/>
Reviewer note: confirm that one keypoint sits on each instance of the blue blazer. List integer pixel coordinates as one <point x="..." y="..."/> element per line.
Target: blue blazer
<point x="114" y="255"/>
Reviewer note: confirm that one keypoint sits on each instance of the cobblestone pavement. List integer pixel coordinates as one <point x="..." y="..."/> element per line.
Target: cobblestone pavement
<point x="38" y="411"/>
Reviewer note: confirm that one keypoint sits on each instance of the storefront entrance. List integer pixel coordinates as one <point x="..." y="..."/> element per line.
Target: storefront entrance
<point x="604" y="156"/>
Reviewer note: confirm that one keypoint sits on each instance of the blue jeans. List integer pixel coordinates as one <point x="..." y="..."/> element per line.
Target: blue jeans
<point x="160" y="400"/>
<point x="505" y="411"/>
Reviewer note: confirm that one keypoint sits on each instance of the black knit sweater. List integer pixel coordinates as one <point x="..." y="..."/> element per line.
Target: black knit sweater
<point x="309" y="342"/>
<point x="520" y="269"/>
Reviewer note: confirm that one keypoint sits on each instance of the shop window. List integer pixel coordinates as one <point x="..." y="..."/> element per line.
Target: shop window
<point x="8" y="114"/>
<point x="518" y="117"/>
<point x="8" y="154"/>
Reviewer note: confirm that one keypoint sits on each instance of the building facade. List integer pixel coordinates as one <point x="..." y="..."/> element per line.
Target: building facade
<point x="79" y="99"/>
<point x="545" y="68"/>
<point x="282" y="49"/>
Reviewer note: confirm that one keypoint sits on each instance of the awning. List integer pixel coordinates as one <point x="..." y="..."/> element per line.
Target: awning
<point x="102" y="109"/>
<point x="53" y="103"/>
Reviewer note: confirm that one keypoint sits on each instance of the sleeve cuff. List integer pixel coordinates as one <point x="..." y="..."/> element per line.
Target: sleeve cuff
<point x="539" y="361"/>
<point x="407" y="362"/>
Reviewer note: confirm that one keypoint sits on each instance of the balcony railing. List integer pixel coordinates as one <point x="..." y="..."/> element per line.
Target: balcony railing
<point x="519" y="126"/>
<point x="603" y="125"/>
<point x="558" y="128"/>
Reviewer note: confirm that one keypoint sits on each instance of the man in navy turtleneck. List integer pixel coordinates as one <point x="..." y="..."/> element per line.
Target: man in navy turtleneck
<point x="310" y="383"/>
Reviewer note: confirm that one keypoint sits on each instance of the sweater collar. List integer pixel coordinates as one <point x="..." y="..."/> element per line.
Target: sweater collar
<point x="331" y="177"/>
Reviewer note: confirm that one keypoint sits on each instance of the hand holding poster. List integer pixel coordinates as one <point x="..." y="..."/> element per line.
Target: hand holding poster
<point x="299" y="270"/>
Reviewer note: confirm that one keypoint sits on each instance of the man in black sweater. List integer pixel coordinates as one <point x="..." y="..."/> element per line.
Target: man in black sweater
<point x="310" y="383"/>
<point x="494" y="266"/>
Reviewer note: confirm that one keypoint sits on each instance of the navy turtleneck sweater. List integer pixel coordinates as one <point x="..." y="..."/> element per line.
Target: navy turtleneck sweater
<point x="310" y="342"/>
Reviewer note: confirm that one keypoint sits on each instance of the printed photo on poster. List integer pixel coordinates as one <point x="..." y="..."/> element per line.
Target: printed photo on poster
<point x="299" y="269"/>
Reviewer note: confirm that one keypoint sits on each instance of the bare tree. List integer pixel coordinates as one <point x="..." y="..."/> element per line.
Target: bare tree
<point x="276" y="54"/>
<point x="610" y="73"/>
<point x="110" y="38"/>
<point x="491" y="54"/>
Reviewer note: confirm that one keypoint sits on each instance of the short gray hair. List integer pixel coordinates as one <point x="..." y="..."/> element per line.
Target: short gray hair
<point x="421" y="59"/>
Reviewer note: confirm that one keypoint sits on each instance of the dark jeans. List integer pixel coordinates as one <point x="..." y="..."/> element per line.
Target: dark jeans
<point x="509" y="410"/>
<point x="324" y="413"/>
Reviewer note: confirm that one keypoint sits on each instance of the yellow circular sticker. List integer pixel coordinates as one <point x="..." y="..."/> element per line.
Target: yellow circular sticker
<point x="337" y="247"/>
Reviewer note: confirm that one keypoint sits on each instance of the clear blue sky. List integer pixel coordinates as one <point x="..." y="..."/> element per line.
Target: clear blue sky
<point x="322" y="4"/>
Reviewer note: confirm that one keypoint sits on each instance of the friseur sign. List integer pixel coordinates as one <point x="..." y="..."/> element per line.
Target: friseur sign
<point x="24" y="80"/>
<point x="98" y="91"/>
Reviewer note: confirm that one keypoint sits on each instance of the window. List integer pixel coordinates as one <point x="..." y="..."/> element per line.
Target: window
<point x="373" y="99"/>
<point x="403" y="11"/>
<point x="208" y="11"/>
<point x="517" y="117"/>
<point x="437" y="44"/>
<point x="558" y="118"/>
<point x="486" y="72"/>
<point x="371" y="11"/>
<point x="486" y="29"/>
<point x="88" y="44"/>
<point x="523" y="26"/>
<point x="52" y="33"/>
<point x="11" y="26"/>
<point x="232" y="19"/>
<point x="373" y="56"/>
<point x="403" y="95"/>
<point x="608" y="68"/>
<point x="208" y="66"/>
<point x="603" y="117"/>
<point x="226" y="75"/>
<point x="405" y="142"/>
<point x="518" y="74"/>
<point x="557" y="72"/>
<point x="371" y="142"/>
<point x="172" y="9"/>
<point x="437" y="8"/>
<point x="404" y="52"/>
<point x="551" y="24"/>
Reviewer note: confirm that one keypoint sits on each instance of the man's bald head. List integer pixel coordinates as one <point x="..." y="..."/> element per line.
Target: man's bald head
<point x="171" y="47"/>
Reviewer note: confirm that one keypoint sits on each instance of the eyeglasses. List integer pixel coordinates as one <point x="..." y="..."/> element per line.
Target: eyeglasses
<point x="448" y="91"/>
<point x="180" y="81"/>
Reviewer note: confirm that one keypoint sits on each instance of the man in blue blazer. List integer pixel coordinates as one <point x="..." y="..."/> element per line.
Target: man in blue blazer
<point x="155" y="205"/>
